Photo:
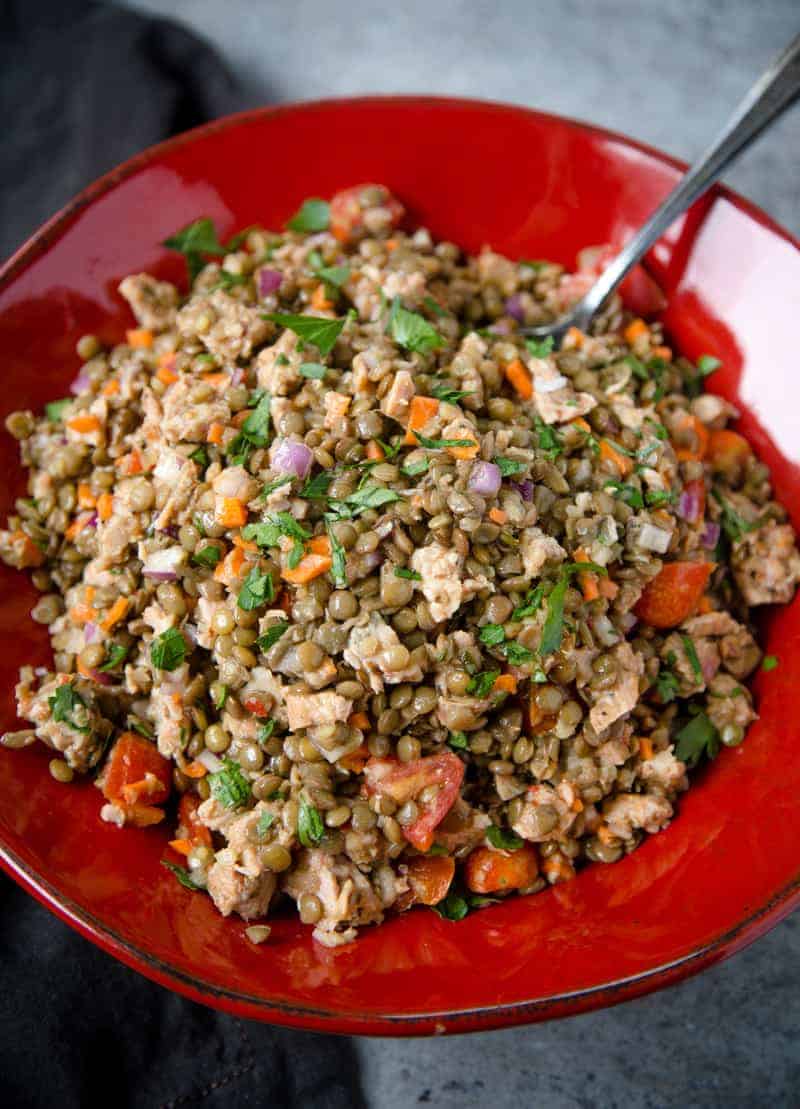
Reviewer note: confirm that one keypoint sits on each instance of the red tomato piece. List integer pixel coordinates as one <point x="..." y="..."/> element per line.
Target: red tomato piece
<point x="347" y="212"/>
<point x="405" y="781"/>
<point x="673" y="593"/>
<point x="256" y="706"/>
<point x="490" y="871"/>
<point x="189" y="825"/>
<point x="134" y="760"/>
<point x="430" y="878"/>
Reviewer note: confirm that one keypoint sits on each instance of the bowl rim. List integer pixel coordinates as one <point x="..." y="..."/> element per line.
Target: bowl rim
<point x="350" y="1022"/>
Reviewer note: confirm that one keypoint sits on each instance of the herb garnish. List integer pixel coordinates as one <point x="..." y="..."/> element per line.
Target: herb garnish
<point x="322" y="332"/>
<point x="228" y="280"/>
<point x="531" y="604"/>
<point x="548" y="440"/>
<point x="415" y="468"/>
<point x="503" y="839"/>
<point x="335" y="276"/>
<point x="200" y="457"/>
<point x="540" y="348"/>
<point x="193" y="241"/>
<point x="255" y="432"/>
<point x="458" y="741"/>
<point x="553" y="629"/>
<point x="168" y="650"/>
<point x="314" y="370"/>
<point x="316" y="487"/>
<point x="449" y="395"/>
<point x="404" y="572"/>
<point x="442" y="444"/>
<point x="770" y="663"/>
<point x="265" y="822"/>
<point x="509" y="467"/>
<point x="229" y="786"/>
<point x="480" y="685"/>
<point x="667" y="685"/>
<point x="732" y="523"/>
<point x="272" y="635"/>
<point x="207" y="556"/>
<point x="313" y="215"/>
<point x="412" y="331"/>
<point x="691" y="654"/>
<point x="54" y="409"/>
<point x="257" y="589"/>
<point x="310" y="829"/>
<point x="115" y="654"/>
<point x="182" y="874"/>
<point x="697" y="738"/>
<point x="338" y="558"/>
<point x="64" y="703"/>
<point x="221" y="698"/>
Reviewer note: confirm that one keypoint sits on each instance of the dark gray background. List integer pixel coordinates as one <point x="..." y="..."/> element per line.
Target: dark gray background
<point x="667" y="73"/>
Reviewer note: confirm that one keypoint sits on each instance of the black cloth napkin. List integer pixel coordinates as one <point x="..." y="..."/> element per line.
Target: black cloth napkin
<point x="82" y="87"/>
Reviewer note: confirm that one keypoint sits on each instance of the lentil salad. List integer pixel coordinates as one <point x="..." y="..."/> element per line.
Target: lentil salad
<point x="400" y="608"/>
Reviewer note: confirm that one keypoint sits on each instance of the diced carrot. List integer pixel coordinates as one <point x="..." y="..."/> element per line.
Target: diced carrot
<point x="645" y="747"/>
<point x="588" y="581"/>
<point x="375" y="451"/>
<point x="635" y="330"/>
<point x="430" y="877"/>
<point x="167" y="361"/>
<point x="420" y="412"/>
<point x="231" y="565"/>
<point x="142" y="816"/>
<point x="115" y="613"/>
<point x="214" y="434"/>
<point x="726" y="448"/>
<point x="88" y="594"/>
<point x="316" y="561"/>
<point x="82" y="614"/>
<point x="574" y="338"/>
<point x="517" y="374"/>
<point x="195" y="769"/>
<point x="28" y="553"/>
<point x="577" y="804"/>
<point x="556" y="869"/>
<point x="356" y="760"/>
<point x="692" y="452"/>
<point x="105" y="506"/>
<point x="663" y="352"/>
<point x="607" y="588"/>
<point x="77" y="525"/>
<point x="140" y="338"/>
<point x="490" y="871"/>
<point x="319" y="301"/>
<point x="182" y="846"/>
<point x="498" y="516"/>
<point x="217" y="380"/>
<point x="505" y="683"/>
<point x="704" y="605"/>
<point x="241" y="417"/>
<point x="359" y="720"/>
<point x="165" y="376"/>
<point x="609" y="453"/>
<point x="84" y="424"/>
<point x="244" y="544"/>
<point x="463" y="452"/>
<point x="85" y="495"/>
<point x="233" y="513"/>
<point x="320" y="544"/>
<point x="391" y="244"/>
<point x="130" y="464"/>
<point x="111" y="387"/>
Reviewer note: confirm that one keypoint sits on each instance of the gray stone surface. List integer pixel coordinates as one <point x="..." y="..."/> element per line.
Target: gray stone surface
<point x="667" y="73"/>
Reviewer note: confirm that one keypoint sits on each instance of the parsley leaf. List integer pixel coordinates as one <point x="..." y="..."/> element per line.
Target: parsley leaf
<point x="315" y="370"/>
<point x="316" y="487"/>
<point x="449" y="395"/>
<point x="257" y="589"/>
<point x="115" y="654"/>
<point x="553" y="629"/>
<point x="313" y="215"/>
<point x="272" y="635"/>
<point x="516" y="654"/>
<point x="531" y="604"/>
<point x="431" y="304"/>
<point x="322" y="332"/>
<point x="265" y="730"/>
<point x="442" y="444"/>
<point x="221" y="698"/>
<point x="404" y="572"/>
<point x="54" y="409"/>
<point x="64" y="703"/>
<point x="540" y="348"/>
<point x="267" y="532"/>
<point x="229" y="786"/>
<point x="331" y="275"/>
<point x="697" y="738"/>
<point x="656" y="498"/>
<point x="416" y="467"/>
<point x="706" y="364"/>
<point x="452" y="907"/>
<point x="480" y="685"/>
<point x="271" y="486"/>
<point x="193" y="241"/>
<point x="182" y="874"/>
<point x="338" y="559"/>
<point x="492" y="634"/>
<point x="168" y="650"/>
<point x="310" y="829"/>
<point x="458" y="741"/>
<point x="629" y="494"/>
<point x="265" y="822"/>
<point x="200" y="456"/>
<point x="770" y="663"/>
<point x="667" y="685"/>
<point x="503" y="839"/>
<point x="256" y="426"/>
<point x="691" y="654"/>
<point x="412" y="331"/>
<point x="371" y="496"/>
<point x="208" y="556"/>
<point x="637" y="366"/>
<point x="548" y="440"/>
<point x="228" y="280"/>
<point x="509" y="467"/>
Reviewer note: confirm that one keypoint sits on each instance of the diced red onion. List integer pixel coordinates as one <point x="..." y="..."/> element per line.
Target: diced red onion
<point x="92" y="521"/>
<point x="628" y="621"/>
<point x="210" y="761"/>
<point x="100" y="678"/>
<point x="160" y="575"/>
<point x="513" y="307"/>
<point x="709" y="666"/>
<point x="163" y="565"/>
<point x="89" y="632"/>
<point x="501" y="327"/>
<point x="710" y="535"/>
<point x="80" y="384"/>
<point x="269" y="281"/>
<point x="524" y="488"/>
<point x="689" y="506"/>
<point x="172" y="530"/>
<point x="291" y="457"/>
<point x="237" y="376"/>
<point x="485" y="479"/>
<point x="655" y="539"/>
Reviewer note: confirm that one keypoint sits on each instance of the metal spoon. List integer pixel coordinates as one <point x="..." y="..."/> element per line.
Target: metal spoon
<point x="774" y="91"/>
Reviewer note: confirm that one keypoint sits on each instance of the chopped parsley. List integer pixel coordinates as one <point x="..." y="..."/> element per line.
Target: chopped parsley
<point x="492" y="634"/>
<point x="229" y="785"/>
<point x="458" y="741"/>
<point x="404" y="572"/>
<point x="322" y="332"/>
<point x="667" y="685"/>
<point x="481" y="684"/>
<point x="272" y="635"/>
<point x="412" y="331"/>
<point x="265" y="822"/>
<point x="516" y="654"/>
<point x="548" y="440"/>
<point x="271" y="486"/>
<point x="182" y="874"/>
<point x="531" y="604"/>
<point x="553" y="630"/>
<point x="168" y="650"/>
<point x="207" y="556"/>
<point x="228" y="280"/>
<point x="371" y="496"/>
<point x="265" y="730"/>
<point x="313" y="215"/>
<point x="657" y="498"/>
<point x="255" y="431"/>
<point x="115" y="655"/>
<point x="449" y="395"/>
<point x="65" y="703"/>
<point x="706" y="364"/>
<point x="200" y="457"/>
<point x="268" y="533"/>
<point x="310" y="829"/>
<point x="540" y="348"/>
<point x="770" y="663"/>
<point x="456" y="905"/>
<point x="193" y="241"/>
<point x="734" y="525"/>
<point x="509" y="467"/>
<point x="416" y="467"/>
<point x="431" y="304"/>
<point x="221" y="698"/>
<point x="338" y="559"/>
<point x="54" y="409"/>
<point x="503" y="839"/>
<point x="691" y="654"/>
<point x="316" y="487"/>
<point x="140" y="727"/>
<point x="697" y="738"/>
<point x="629" y="494"/>
<point x="315" y="370"/>
<point x="257" y="589"/>
<point x="335" y="276"/>
<point x="442" y="444"/>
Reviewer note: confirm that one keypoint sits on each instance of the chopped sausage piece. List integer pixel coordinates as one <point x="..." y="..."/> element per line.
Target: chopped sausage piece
<point x="766" y="564"/>
<point x="629" y="812"/>
<point x="346" y="897"/>
<point x="307" y="710"/>
<point x="65" y="713"/>
<point x="623" y="695"/>
<point x="152" y="302"/>
<point x="376" y="650"/>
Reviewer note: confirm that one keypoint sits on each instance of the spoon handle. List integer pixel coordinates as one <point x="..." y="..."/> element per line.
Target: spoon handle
<point x="774" y="91"/>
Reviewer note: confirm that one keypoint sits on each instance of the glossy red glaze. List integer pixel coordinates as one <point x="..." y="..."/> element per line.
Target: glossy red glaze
<point x="531" y="186"/>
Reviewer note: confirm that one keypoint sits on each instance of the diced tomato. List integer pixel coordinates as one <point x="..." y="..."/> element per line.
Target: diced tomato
<point x="134" y="760"/>
<point x="256" y="706"/>
<point x="727" y="450"/>
<point x="404" y="782"/>
<point x="189" y="825"/>
<point x="430" y="878"/>
<point x="490" y="871"/>
<point x="673" y="594"/>
<point x="347" y="213"/>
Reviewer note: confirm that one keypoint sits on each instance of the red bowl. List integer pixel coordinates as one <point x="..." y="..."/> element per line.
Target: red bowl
<point x="531" y="185"/>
